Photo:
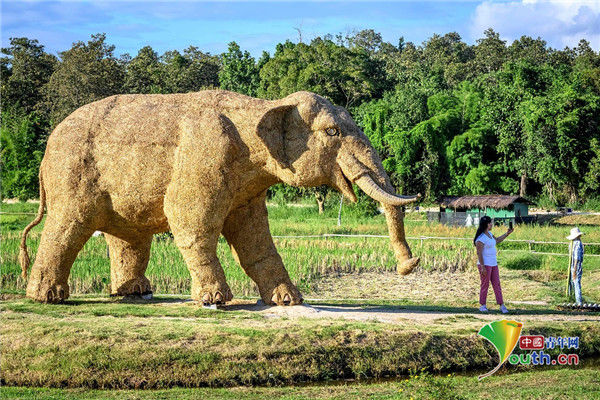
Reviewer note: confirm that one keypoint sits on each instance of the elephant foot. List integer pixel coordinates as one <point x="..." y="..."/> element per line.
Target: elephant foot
<point x="284" y="294"/>
<point x="134" y="287"/>
<point x="216" y="293"/>
<point x="408" y="265"/>
<point x="49" y="293"/>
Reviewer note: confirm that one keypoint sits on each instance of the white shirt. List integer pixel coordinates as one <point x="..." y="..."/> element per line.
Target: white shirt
<point x="489" y="249"/>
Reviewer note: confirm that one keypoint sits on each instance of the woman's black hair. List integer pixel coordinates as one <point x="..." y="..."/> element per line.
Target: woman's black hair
<point x="483" y="223"/>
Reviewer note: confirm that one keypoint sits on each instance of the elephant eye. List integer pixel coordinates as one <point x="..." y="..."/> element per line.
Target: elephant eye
<point x="332" y="131"/>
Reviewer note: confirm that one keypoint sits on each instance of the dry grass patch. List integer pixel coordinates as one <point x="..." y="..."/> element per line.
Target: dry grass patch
<point x="100" y="343"/>
<point x="579" y="219"/>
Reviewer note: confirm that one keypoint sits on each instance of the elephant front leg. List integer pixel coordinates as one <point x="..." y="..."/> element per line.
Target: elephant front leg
<point x="203" y="183"/>
<point x="208" y="279"/>
<point x="196" y="226"/>
<point x="247" y="231"/>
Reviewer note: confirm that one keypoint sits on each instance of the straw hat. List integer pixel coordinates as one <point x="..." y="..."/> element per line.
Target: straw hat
<point x="575" y="233"/>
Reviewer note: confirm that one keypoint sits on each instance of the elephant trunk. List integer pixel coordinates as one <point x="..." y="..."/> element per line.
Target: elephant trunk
<point x="395" y="221"/>
<point x="361" y="165"/>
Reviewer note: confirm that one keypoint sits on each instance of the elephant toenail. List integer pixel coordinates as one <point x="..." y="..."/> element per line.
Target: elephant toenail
<point x="218" y="298"/>
<point x="287" y="300"/>
<point x="50" y="295"/>
<point x="275" y="298"/>
<point x="206" y="299"/>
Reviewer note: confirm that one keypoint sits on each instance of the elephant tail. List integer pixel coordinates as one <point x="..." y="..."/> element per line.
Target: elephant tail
<point x="23" y="255"/>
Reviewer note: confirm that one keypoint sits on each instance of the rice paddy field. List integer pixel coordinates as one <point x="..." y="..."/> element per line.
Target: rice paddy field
<point x="309" y="259"/>
<point x="367" y="332"/>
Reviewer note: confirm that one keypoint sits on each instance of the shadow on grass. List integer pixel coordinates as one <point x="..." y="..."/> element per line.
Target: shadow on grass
<point x="337" y="306"/>
<point x="137" y="300"/>
<point x="417" y="308"/>
<point x="362" y="308"/>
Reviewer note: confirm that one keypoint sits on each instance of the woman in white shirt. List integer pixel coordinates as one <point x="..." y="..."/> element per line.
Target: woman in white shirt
<point x="487" y="264"/>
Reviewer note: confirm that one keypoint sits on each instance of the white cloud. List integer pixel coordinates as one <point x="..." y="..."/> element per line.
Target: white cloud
<point x="560" y="23"/>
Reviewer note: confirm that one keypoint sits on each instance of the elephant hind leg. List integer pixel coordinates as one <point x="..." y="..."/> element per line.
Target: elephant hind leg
<point x="128" y="263"/>
<point x="62" y="239"/>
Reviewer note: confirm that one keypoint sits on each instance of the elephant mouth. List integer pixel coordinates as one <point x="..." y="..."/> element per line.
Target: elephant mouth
<point x="343" y="184"/>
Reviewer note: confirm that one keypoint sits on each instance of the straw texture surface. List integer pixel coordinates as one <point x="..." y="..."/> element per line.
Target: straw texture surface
<point x="198" y="164"/>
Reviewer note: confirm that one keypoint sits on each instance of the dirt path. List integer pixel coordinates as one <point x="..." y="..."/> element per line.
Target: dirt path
<point x="444" y="287"/>
<point x="403" y="314"/>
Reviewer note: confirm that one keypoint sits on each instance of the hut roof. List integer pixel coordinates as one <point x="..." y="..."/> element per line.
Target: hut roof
<point x="490" y="200"/>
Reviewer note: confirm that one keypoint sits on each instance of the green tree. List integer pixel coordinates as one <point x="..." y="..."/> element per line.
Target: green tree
<point x="562" y="125"/>
<point x="188" y="72"/>
<point x="239" y="72"/>
<point x="144" y="72"/>
<point x="25" y="68"/>
<point x="87" y="72"/>
<point x="445" y="59"/>
<point x="202" y="70"/>
<point x="346" y="76"/>
<point x="22" y="143"/>
<point x="529" y="50"/>
<point x="446" y="117"/>
<point x="591" y="184"/>
<point x="505" y="92"/>
<point x="174" y="68"/>
<point x="490" y="53"/>
<point x="420" y="157"/>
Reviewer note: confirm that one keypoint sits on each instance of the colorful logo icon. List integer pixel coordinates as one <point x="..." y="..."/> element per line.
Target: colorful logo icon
<point x="530" y="342"/>
<point x="504" y="336"/>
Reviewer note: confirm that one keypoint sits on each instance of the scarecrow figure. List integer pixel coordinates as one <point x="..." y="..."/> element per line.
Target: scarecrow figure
<point x="575" y="264"/>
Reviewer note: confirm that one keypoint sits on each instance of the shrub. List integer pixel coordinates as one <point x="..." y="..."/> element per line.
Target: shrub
<point x="522" y="262"/>
<point x="591" y="204"/>
<point x="22" y="139"/>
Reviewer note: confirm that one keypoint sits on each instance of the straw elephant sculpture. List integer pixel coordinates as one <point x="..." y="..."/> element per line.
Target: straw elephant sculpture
<point x="197" y="164"/>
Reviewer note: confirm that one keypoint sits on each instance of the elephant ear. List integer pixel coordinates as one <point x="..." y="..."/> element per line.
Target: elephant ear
<point x="272" y="131"/>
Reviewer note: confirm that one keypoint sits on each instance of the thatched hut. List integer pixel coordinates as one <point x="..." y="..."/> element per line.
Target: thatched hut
<point x="502" y="208"/>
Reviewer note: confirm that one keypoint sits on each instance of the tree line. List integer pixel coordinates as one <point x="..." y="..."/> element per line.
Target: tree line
<point x="448" y="118"/>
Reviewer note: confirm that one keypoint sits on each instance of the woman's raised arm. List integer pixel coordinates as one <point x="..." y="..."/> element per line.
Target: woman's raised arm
<point x="499" y="239"/>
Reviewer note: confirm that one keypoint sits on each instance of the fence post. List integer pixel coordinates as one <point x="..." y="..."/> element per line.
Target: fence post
<point x="339" y="222"/>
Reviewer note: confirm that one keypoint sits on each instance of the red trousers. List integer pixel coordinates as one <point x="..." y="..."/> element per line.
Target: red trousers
<point x="493" y="276"/>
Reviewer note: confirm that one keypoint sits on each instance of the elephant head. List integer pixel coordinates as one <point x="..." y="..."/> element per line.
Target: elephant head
<point x="312" y="142"/>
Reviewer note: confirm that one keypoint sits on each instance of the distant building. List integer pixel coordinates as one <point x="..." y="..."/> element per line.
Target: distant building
<point x="465" y="209"/>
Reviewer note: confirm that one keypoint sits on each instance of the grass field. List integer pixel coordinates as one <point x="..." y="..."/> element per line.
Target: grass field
<point x="547" y="384"/>
<point x="308" y="260"/>
<point x="172" y="348"/>
<point x="107" y="343"/>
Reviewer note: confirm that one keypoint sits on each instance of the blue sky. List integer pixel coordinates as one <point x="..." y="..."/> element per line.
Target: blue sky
<point x="259" y="26"/>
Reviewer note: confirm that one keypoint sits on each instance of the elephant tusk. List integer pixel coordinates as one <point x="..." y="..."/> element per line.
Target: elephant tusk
<point x="373" y="190"/>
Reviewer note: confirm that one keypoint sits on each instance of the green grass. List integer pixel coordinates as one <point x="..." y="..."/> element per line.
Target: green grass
<point x="563" y="383"/>
<point x="169" y="344"/>
<point x="100" y="342"/>
<point x="523" y="262"/>
<point x="307" y="260"/>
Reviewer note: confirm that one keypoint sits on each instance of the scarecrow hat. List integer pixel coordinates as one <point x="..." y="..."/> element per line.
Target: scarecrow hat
<point x="575" y="233"/>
